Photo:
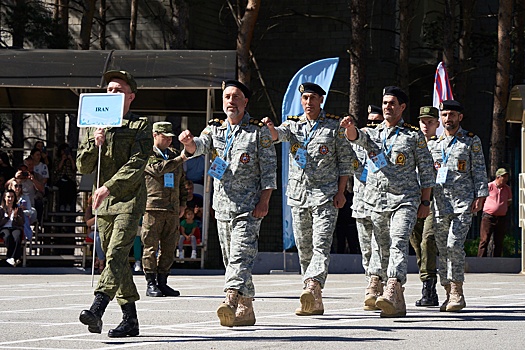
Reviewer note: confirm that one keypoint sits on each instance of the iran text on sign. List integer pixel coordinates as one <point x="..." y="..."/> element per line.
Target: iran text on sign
<point x="100" y="110"/>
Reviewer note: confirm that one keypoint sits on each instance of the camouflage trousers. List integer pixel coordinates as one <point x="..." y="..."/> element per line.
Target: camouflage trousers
<point x="392" y="231"/>
<point x="423" y="241"/>
<point x="239" y="244"/>
<point x="451" y="232"/>
<point x="374" y="263"/>
<point x="117" y="234"/>
<point x="160" y="235"/>
<point x="313" y="229"/>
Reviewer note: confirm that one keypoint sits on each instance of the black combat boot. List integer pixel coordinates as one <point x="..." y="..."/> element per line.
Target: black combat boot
<point x="429" y="296"/>
<point x="93" y="317"/>
<point x="129" y="325"/>
<point x="162" y="279"/>
<point x="152" y="290"/>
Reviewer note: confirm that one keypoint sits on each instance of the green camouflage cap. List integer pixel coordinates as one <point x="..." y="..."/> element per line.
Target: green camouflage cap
<point x="123" y="75"/>
<point x="164" y="128"/>
<point x="428" y="111"/>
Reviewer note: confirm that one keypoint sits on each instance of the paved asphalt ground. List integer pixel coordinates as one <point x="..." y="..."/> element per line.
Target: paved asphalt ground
<point x="40" y="311"/>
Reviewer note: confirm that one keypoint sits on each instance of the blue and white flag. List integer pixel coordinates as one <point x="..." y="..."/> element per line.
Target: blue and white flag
<point x="321" y="73"/>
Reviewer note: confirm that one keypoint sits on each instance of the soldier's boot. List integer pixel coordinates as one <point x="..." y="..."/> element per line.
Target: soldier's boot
<point x="93" y="317"/>
<point x="152" y="290"/>
<point x="311" y="299"/>
<point x="162" y="280"/>
<point x="392" y="302"/>
<point x="244" y="316"/>
<point x="129" y="327"/>
<point x="443" y="306"/>
<point x="227" y="310"/>
<point x="457" y="299"/>
<point x="428" y="294"/>
<point x="373" y="290"/>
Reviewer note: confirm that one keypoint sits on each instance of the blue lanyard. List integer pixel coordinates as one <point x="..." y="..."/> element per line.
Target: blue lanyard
<point x="387" y="151"/>
<point x="445" y="157"/>
<point x="229" y="140"/>
<point x="307" y="139"/>
<point x="165" y="156"/>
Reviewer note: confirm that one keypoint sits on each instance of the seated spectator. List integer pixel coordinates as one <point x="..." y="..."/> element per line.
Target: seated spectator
<point x="189" y="234"/>
<point x="11" y="227"/>
<point x="39" y="167"/>
<point x="89" y="218"/>
<point x="23" y="203"/>
<point x="32" y="186"/>
<point x="194" y="201"/>
<point x="194" y="169"/>
<point x="6" y="170"/>
<point x="45" y="157"/>
<point x="65" y="175"/>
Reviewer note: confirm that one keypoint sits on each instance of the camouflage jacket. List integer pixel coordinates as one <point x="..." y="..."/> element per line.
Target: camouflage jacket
<point x="466" y="175"/>
<point x="161" y="197"/>
<point x="397" y="183"/>
<point x="124" y="156"/>
<point x="252" y="164"/>
<point x="329" y="156"/>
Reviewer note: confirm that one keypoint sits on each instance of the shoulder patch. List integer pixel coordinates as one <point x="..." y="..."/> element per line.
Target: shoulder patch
<point x="215" y="122"/>
<point x="293" y="118"/>
<point x="256" y="122"/>
<point x="470" y="134"/>
<point x="410" y="126"/>
<point x="332" y="116"/>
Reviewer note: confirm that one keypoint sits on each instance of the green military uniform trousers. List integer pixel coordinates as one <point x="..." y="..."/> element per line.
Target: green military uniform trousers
<point x="423" y="241"/>
<point x="159" y="227"/>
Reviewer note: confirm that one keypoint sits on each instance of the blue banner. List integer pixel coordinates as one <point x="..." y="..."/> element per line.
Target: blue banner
<point x="320" y="72"/>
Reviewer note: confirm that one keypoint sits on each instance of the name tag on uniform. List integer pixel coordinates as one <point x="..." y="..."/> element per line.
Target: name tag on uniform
<point x="300" y="158"/>
<point x="441" y="177"/>
<point x="217" y="168"/>
<point x="377" y="162"/>
<point x="169" y="180"/>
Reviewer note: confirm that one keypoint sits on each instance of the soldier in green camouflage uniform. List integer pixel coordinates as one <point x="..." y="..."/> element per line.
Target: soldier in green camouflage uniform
<point x="120" y="201"/>
<point x="244" y="171"/>
<point x="320" y="164"/>
<point x="166" y="185"/>
<point x="460" y="191"/>
<point x="397" y="154"/>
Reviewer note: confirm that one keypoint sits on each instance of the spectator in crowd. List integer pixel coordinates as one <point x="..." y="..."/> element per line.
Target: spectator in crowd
<point x="65" y="176"/>
<point x="6" y="170"/>
<point x="12" y="227"/>
<point x="24" y="203"/>
<point x="494" y="217"/>
<point x="188" y="233"/>
<point x="46" y="159"/>
<point x="89" y="218"/>
<point x="194" y="169"/>
<point x="39" y="167"/>
<point x="194" y="201"/>
<point x="32" y="186"/>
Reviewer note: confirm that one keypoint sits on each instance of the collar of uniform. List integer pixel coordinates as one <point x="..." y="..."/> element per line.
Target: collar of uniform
<point x="244" y="121"/>
<point x="460" y="134"/>
<point x="321" y="117"/>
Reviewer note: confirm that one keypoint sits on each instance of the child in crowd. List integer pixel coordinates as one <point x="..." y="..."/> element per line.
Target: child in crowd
<point x="189" y="229"/>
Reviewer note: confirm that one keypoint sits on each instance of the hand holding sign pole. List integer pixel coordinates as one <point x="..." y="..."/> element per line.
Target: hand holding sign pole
<point x="99" y="110"/>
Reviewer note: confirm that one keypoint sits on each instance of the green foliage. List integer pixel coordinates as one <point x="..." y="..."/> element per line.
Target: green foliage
<point x="509" y="247"/>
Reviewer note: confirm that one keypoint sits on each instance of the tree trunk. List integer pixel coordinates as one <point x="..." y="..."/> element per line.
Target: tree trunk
<point x="519" y="43"/>
<point x="501" y="90"/>
<point x="19" y="27"/>
<point x="87" y="23"/>
<point x="448" y="39"/>
<point x="357" y="96"/>
<point x="467" y="8"/>
<point x="404" y="43"/>
<point x="102" y="31"/>
<point x="244" y="39"/>
<point x="133" y="25"/>
<point x="180" y="15"/>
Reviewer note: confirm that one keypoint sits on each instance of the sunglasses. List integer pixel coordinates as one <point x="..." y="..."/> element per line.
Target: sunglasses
<point x="18" y="186"/>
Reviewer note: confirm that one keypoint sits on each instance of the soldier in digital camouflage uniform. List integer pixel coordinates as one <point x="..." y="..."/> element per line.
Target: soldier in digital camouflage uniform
<point x="166" y="185"/>
<point x="120" y="200"/>
<point x="320" y="164"/>
<point x="244" y="171"/>
<point x="422" y="238"/>
<point x="393" y="193"/>
<point x="460" y="191"/>
<point x="374" y="262"/>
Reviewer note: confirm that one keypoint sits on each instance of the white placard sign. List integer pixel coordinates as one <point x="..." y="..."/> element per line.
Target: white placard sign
<point x="100" y="110"/>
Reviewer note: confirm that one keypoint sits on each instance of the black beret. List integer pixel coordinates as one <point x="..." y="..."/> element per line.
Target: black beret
<point x="373" y="109"/>
<point x="311" y="87"/>
<point x="247" y="93"/>
<point x="397" y="92"/>
<point x="451" y="105"/>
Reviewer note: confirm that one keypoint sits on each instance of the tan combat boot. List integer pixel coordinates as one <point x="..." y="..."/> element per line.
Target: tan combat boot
<point x="456" y="301"/>
<point x="392" y="302"/>
<point x="311" y="299"/>
<point x="373" y="290"/>
<point x="244" y="316"/>
<point x="228" y="308"/>
<point x="443" y="306"/>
